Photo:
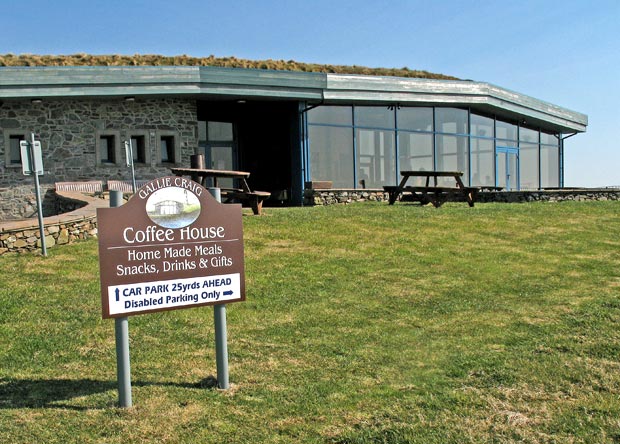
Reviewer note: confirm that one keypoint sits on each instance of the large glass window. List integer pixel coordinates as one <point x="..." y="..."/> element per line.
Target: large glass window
<point x="528" y="135"/>
<point x="429" y="138"/>
<point x="331" y="155"/>
<point x="482" y="162"/>
<point x="482" y="126"/>
<point x="415" y="151"/>
<point x="220" y="131"/>
<point x="415" y="119"/>
<point x="451" y="154"/>
<point x="506" y="130"/>
<point x="549" y="166"/>
<point x="376" y="158"/>
<point x="374" y="117"/>
<point x="331" y="115"/>
<point x="451" y="120"/>
<point x="528" y="159"/>
<point x="548" y="139"/>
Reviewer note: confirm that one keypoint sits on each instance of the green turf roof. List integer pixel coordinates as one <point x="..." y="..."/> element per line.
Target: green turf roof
<point x="229" y="62"/>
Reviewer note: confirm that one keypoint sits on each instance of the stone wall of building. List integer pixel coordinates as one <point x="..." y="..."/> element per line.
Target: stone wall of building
<point x="68" y="131"/>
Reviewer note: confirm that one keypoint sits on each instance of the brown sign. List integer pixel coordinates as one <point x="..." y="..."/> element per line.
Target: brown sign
<point x="171" y="246"/>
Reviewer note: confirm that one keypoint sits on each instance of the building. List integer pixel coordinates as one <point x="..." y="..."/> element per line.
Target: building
<point x="287" y="128"/>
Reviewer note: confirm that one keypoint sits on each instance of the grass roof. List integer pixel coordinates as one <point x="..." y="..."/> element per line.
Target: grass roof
<point x="229" y="62"/>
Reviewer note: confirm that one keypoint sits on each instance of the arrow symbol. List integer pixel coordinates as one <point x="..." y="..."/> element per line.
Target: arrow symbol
<point x="228" y="293"/>
<point x="118" y="292"/>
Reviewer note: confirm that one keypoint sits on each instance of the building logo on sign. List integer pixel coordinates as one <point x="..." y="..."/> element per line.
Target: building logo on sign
<point x="172" y="245"/>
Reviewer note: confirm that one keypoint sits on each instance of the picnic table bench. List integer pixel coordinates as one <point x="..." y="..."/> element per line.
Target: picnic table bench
<point x="254" y="199"/>
<point x="431" y="193"/>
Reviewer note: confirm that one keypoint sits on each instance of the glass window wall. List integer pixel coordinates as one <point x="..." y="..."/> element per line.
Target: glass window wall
<point x="482" y="126"/>
<point x="452" y="154"/>
<point x="506" y="130"/>
<point x="482" y="162"/>
<point x="548" y="139"/>
<point x="549" y="166"/>
<point x="374" y="117"/>
<point x="423" y="138"/>
<point x="528" y="160"/>
<point x="331" y="155"/>
<point x="376" y="158"/>
<point x="331" y="115"/>
<point x="415" y="119"/>
<point x="451" y="120"/>
<point x="528" y="135"/>
<point x="415" y="151"/>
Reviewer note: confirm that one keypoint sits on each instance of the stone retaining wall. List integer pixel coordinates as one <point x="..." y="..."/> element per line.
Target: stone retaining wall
<point x="330" y="197"/>
<point x="333" y="196"/>
<point x="578" y="195"/>
<point x="79" y="223"/>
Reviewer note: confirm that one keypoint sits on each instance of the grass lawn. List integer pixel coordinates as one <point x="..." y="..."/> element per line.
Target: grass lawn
<point x="365" y="323"/>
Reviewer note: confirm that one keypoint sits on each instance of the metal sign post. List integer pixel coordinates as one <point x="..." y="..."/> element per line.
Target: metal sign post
<point x="129" y="157"/>
<point x="32" y="163"/>
<point x="121" y="333"/>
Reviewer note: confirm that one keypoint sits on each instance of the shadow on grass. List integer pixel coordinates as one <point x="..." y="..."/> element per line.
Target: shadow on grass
<point x="58" y="393"/>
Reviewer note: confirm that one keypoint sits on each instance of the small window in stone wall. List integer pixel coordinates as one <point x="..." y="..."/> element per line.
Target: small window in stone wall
<point x="169" y="151"/>
<point x="15" y="150"/>
<point x="140" y="149"/>
<point x="107" y="148"/>
<point x="12" y="151"/>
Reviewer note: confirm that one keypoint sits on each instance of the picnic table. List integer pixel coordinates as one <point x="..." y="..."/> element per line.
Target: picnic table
<point x="432" y="192"/>
<point x="243" y="193"/>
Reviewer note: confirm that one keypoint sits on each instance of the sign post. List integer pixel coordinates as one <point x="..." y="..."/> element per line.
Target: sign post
<point x="129" y="159"/>
<point x="221" y="335"/>
<point x="32" y="163"/>
<point x="172" y="246"/>
<point x="121" y="334"/>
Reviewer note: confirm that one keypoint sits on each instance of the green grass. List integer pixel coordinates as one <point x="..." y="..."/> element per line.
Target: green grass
<point x="365" y="323"/>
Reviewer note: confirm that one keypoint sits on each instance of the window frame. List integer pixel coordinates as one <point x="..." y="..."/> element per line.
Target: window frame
<point x="143" y="135"/>
<point x="116" y="135"/>
<point x="160" y="134"/>
<point x="8" y="135"/>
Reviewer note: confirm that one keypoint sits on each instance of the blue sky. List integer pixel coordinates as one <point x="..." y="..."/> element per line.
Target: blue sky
<point x="565" y="52"/>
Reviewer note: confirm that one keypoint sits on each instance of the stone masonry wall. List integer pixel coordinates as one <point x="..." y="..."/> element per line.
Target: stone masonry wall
<point x="78" y="221"/>
<point x="68" y="132"/>
<point x="329" y="197"/>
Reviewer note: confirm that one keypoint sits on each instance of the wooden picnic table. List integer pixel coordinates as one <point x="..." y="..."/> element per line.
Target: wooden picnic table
<point x="433" y="193"/>
<point x="243" y="193"/>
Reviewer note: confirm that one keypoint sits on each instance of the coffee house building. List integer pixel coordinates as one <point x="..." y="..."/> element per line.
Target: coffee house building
<point x="288" y="129"/>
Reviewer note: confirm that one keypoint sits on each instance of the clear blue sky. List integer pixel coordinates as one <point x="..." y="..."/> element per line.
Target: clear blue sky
<point x="566" y="52"/>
